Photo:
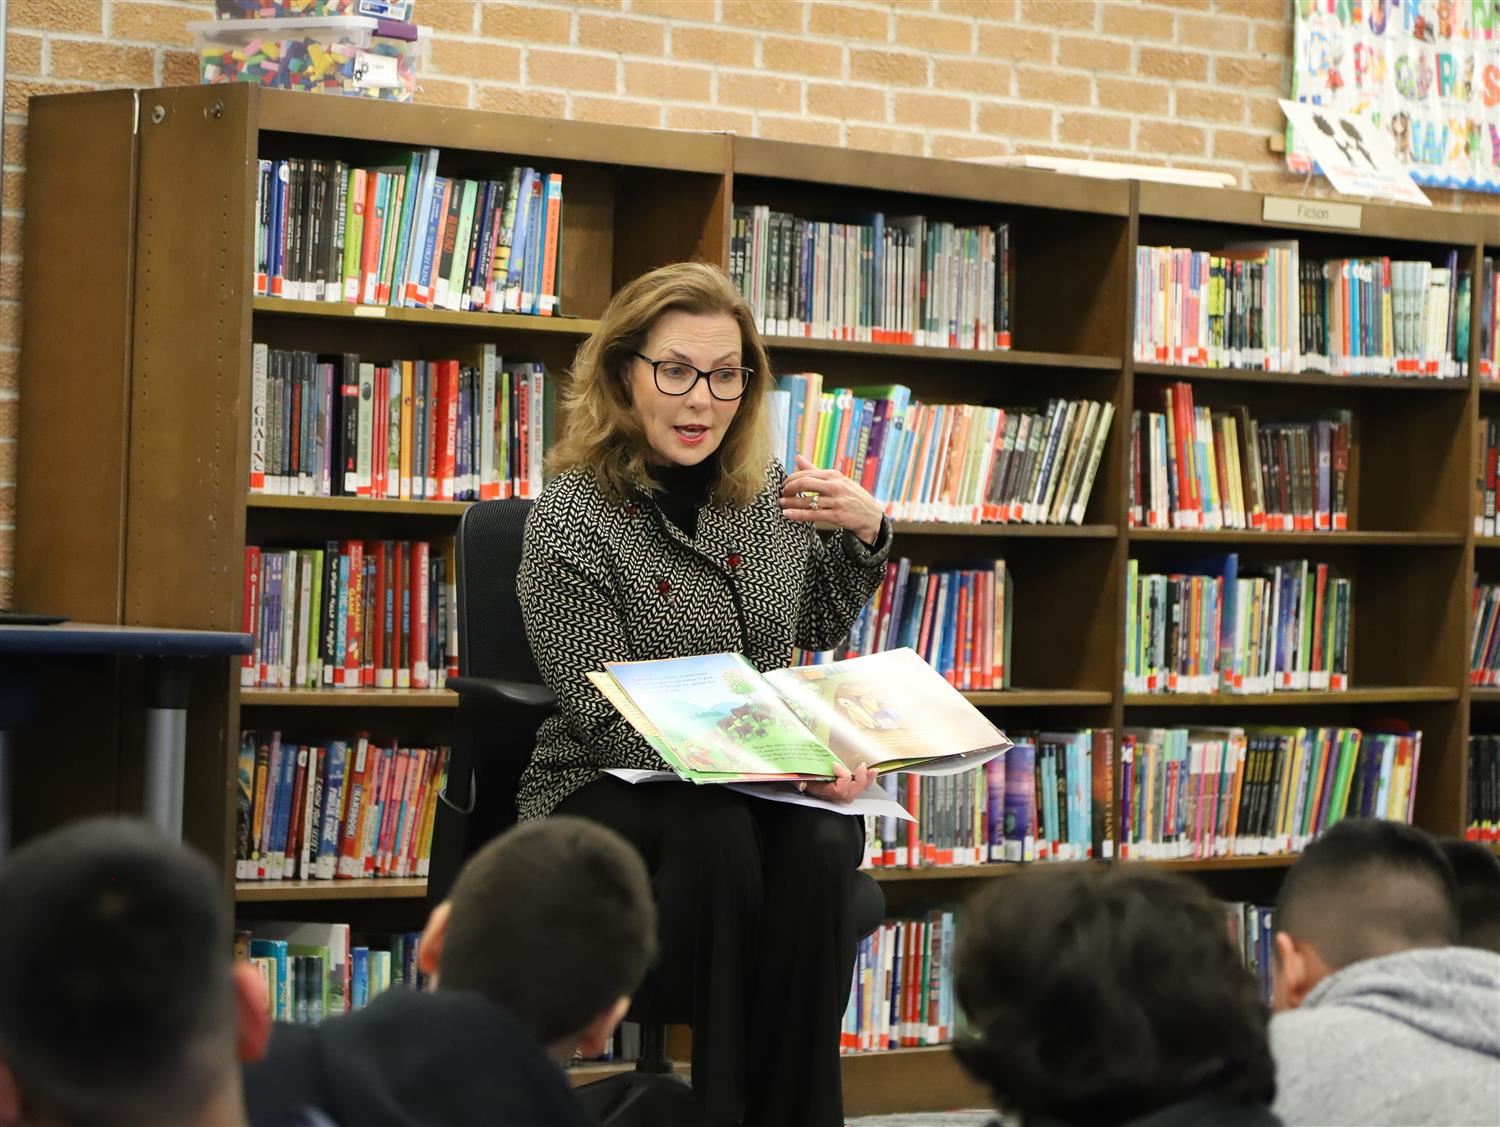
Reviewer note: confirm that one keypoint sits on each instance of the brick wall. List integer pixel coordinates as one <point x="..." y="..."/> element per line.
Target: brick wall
<point x="1182" y="82"/>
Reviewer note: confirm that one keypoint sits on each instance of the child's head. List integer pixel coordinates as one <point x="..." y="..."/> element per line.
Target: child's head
<point x="1099" y="994"/>
<point x="119" y="998"/>
<point x="1477" y="870"/>
<point x="554" y="921"/>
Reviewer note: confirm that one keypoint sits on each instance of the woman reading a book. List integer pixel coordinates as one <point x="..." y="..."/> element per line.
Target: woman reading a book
<point x="669" y="530"/>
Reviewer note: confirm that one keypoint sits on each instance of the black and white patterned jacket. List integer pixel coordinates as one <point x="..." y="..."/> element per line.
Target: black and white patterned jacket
<point x="603" y="581"/>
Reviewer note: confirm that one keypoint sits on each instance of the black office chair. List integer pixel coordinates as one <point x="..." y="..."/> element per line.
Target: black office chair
<point x="502" y="703"/>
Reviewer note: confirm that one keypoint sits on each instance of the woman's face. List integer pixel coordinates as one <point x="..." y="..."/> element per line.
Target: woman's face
<point x="682" y="430"/>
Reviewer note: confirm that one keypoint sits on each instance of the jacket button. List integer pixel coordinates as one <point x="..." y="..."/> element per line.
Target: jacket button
<point x="663" y="587"/>
<point x="735" y="559"/>
<point x="631" y="510"/>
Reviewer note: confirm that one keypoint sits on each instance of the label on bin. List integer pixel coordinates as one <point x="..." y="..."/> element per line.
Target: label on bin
<point x="376" y="72"/>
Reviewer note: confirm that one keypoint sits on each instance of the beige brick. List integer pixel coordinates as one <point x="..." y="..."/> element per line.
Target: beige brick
<point x="767" y="15"/>
<point x="1217" y="32"/>
<point x="153" y="23"/>
<point x="7" y="580"/>
<point x="10" y="287"/>
<point x="23" y="55"/>
<point x="668" y="81"/>
<point x="997" y="119"/>
<point x="1134" y="21"/>
<point x="12" y="194"/>
<point x="1018" y="44"/>
<point x="1159" y="62"/>
<point x="1059" y="13"/>
<point x="15" y="141"/>
<point x="935" y="33"/>
<point x="698" y="11"/>
<point x="965" y="146"/>
<point x="509" y="99"/>
<point x="525" y="22"/>
<point x="621" y="35"/>
<point x="710" y="118"/>
<point x="1128" y="95"/>
<point x="570" y="70"/>
<point x="972" y="76"/>
<point x="475" y="58"/>
<point x="760" y="91"/>
<point x="1249" y="72"/>
<point x="8" y="456"/>
<point x="1083" y="128"/>
<point x="883" y="140"/>
<point x="1254" y="9"/>
<point x="1188" y="5"/>
<point x="802" y="56"/>
<point x="57" y="15"/>
<point x="10" y="369"/>
<point x="714" y="45"/>
<point x="848" y="21"/>
<point x="1171" y="137"/>
<point x="1210" y="104"/>
<point x="19" y="91"/>
<point x="862" y="103"/>
<point x="1273" y="38"/>
<point x="451" y="15"/>
<point x="1039" y="84"/>
<point x="10" y="243"/>
<point x="980" y="9"/>
<point x="453" y="93"/>
<point x="9" y="410"/>
<point x="801" y="129"/>
<point x="933" y="111"/>
<point x="101" y="62"/>
<point x="1241" y="145"/>
<point x="889" y="68"/>
<point x="180" y="68"/>
<point x="1265" y="113"/>
<point x="7" y="503"/>
<point x="615" y="111"/>
<point x="1094" y="53"/>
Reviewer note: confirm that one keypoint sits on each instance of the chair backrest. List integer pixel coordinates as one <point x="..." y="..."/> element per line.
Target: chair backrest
<point x="491" y="636"/>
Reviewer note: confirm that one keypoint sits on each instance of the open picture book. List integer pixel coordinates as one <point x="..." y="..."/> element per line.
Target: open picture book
<point x="716" y="719"/>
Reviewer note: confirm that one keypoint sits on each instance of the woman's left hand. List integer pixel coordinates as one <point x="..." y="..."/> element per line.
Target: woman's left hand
<point x="844" y="788"/>
<point x="833" y="498"/>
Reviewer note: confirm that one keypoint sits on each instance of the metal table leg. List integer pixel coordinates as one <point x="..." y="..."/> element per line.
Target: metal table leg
<point x="166" y="702"/>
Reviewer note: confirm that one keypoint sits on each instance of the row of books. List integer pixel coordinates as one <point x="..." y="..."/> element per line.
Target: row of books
<point x="1482" y="820"/>
<point x="1263" y="307"/>
<point x="317" y="970"/>
<point x="1484" y="636"/>
<point x="353" y="614"/>
<point x="1484" y="477"/>
<point x="1192" y="467"/>
<point x="1489" y="320"/>
<point x="1046" y="799"/>
<point x="438" y="430"/>
<point x="1255" y="790"/>
<point x="890" y="280"/>
<point x="334" y="809"/>
<point x="1277" y="627"/>
<point x="1252" y="929"/>
<point x="902" y="995"/>
<point x="399" y="234"/>
<point x="953" y="462"/>
<point x="958" y="620"/>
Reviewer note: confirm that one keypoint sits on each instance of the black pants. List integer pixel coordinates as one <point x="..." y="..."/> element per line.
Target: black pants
<point x="753" y="899"/>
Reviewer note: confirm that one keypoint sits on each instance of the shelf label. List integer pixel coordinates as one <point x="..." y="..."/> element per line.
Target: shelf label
<point x="1311" y="213"/>
<point x="369" y="311"/>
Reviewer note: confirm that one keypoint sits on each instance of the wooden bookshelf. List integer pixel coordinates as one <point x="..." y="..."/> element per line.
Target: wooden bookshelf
<point x="135" y="452"/>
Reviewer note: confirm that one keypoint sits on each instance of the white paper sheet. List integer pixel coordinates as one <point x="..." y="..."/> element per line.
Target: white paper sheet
<point x="875" y="801"/>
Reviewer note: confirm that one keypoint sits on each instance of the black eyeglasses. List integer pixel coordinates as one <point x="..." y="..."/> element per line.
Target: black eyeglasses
<point x="674" y="377"/>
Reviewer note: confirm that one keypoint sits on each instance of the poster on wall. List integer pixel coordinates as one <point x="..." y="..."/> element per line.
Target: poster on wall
<point x="1427" y="72"/>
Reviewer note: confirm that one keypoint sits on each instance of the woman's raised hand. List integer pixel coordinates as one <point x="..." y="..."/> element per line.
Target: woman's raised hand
<point x="812" y="494"/>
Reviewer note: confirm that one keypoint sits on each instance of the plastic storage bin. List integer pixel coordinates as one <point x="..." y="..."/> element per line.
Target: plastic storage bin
<point x="281" y="9"/>
<point x="355" y="55"/>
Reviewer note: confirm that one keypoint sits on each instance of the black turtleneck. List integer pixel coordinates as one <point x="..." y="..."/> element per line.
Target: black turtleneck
<point x="683" y="490"/>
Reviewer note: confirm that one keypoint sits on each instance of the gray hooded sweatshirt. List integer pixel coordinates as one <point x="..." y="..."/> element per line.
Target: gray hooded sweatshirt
<point x="1407" y="1040"/>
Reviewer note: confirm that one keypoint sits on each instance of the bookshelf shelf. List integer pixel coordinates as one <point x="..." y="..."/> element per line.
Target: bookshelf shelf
<point x="1039" y="698"/>
<point x="493" y="322"/>
<point x="1007" y="531"/>
<point x="948" y="872"/>
<point x="349" y="698"/>
<point x="1298" y="379"/>
<point x="277" y="891"/>
<point x="1488" y="387"/>
<point x="1009" y="357"/>
<point x="1398" y="694"/>
<point x="1484" y="696"/>
<point x="357" y="505"/>
<point x="1248" y="536"/>
<point x="1222" y="864"/>
<point x="1487" y="541"/>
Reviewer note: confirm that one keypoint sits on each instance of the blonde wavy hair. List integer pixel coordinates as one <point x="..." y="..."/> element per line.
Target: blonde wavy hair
<point x="600" y="429"/>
